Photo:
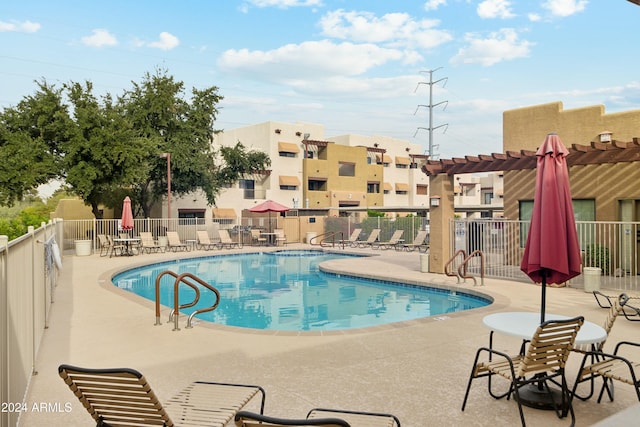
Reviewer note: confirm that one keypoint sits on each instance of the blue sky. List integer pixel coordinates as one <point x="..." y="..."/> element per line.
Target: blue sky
<point x="354" y="66"/>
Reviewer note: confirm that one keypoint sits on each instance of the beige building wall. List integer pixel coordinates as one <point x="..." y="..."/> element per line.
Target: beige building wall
<point x="525" y="128"/>
<point x="607" y="184"/>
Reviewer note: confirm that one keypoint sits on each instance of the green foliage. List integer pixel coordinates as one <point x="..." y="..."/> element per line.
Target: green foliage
<point x="105" y="149"/>
<point x="597" y="256"/>
<point x="374" y="214"/>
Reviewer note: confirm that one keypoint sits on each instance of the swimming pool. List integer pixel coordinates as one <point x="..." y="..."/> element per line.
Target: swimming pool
<point x="285" y="290"/>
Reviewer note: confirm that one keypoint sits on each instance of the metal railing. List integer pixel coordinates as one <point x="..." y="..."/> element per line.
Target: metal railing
<point x="611" y="247"/>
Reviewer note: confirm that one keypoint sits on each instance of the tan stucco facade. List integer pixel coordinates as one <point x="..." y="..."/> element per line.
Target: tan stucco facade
<point x="525" y="128"/>
<point x="608" y="184"/>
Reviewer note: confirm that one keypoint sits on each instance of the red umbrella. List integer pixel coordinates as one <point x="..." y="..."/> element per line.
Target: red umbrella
<point x="552" y="252"/>
<point x="127" y="215"/>
<point x="269" y="206"/>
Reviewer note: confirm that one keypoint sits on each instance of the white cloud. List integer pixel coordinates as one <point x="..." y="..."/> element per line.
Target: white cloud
<point x="167" y="41"/>
<point x="534" y="17"/>
<point x="284" y="4"/>
<point x="489" y="9"/>
<point x="99" y="38"/>
<point x="311" y="59"/>
<point x="19" y="27"/>
<point x="565" y="7"/>
<point x="434" y="4"/>
<point x="500" y="46"/>
<point x="398" y="29"/>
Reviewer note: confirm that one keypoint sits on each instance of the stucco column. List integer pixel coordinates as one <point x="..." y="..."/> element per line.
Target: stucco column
<point x="439" y="218"/>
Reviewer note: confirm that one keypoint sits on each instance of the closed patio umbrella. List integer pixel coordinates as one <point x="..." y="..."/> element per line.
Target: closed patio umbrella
<point x="127" y="215"/>
<point x="552" y="252"/>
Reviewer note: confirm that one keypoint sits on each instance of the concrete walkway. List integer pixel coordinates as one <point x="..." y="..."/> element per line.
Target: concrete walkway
<point x="417" y="370"/>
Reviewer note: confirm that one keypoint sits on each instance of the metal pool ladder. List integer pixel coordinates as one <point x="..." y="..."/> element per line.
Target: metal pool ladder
<point x="185" y="279"/>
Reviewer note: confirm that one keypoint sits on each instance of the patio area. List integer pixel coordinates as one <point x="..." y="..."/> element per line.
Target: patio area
<point x="416" y="370"/>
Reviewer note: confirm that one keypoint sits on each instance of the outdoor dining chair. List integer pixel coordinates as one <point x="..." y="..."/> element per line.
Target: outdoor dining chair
<point x="542" y="363"/>
<point x="610" y="367"/>
<point x="123" y="397"/>
<point x="617" y="307"/>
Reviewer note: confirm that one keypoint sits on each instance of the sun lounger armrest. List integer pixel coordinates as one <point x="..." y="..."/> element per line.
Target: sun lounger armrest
<point x="259" y="418"/>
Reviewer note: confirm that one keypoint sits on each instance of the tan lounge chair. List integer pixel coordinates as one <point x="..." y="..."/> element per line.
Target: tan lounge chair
<point x="105" y="245"/>
<point x="124" y="397"/>
<point x="392" y="242"/>
<point x="353" y="238"/>
<point x="204" y="242"/>
<point x="543" y="362"/>
<point x="175" y="244"/>
<point x="226" y="242"/>
<point x="148" y="244"/>
<point x="418" y="243"/>
<point x="320" y="417"/>
<point x="373" y="237"/>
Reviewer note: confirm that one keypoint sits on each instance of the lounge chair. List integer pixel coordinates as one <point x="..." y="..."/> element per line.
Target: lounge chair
<point x="257" y="238"/>
<point x="392" y="242"/>
<point x="543" y="361"/>
<point x="320" y="417"/>
<point x="226" y="242"/>
<point x="204" y="242"/>
<point x="605" y="301"/>
<point x="373" y="237"/>
<point x="418" y="243"/>
<point x="175" y="244"/>
<point x="353" y="238"/>
<point x="124" y="397"/>
<point x="148" y="244"/>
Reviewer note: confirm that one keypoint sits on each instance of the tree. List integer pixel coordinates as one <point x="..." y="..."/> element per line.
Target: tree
<point x="160" y="115"/>
<point x="31" y="135"/>
<point x="106" y="149"/>
<point x="104" y="155"/>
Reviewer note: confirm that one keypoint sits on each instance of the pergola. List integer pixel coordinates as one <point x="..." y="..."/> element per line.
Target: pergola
<point x="442" y="172"/>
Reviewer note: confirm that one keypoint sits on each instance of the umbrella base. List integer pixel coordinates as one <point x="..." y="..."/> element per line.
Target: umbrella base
<point x="534" y="397"/>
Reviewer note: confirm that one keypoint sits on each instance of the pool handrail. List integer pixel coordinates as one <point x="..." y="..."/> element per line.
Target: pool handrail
<point x="176" y="304"/>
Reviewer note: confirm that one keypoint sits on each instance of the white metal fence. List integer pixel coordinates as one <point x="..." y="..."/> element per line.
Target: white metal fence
<point x="611" y="247"/>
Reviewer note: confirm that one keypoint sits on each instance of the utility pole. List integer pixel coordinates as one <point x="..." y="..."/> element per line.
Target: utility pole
<point x="431" y="106"/>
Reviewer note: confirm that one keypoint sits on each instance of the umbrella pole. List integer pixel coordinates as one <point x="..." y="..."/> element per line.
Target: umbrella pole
<point x="543" y="303"/>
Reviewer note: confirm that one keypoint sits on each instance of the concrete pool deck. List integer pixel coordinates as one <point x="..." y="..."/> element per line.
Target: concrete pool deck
<point x="417" y="370"/>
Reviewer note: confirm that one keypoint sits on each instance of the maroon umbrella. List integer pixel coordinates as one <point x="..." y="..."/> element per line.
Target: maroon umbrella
<point x="552" y="253"/>
<point x="269" y="206"/>
<point x="127" y="215"/>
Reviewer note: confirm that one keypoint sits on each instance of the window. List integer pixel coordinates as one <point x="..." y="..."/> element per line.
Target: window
<point x="422" y="190"/>
<point x="309" y="154"/>
<point x="402" y="188"/>
<point x="487" y="197"/>
<point x="346" y="169"/>
<point x="288" y="182"/>
<point x="191" y="216"/>
<point x="249" y="188"/>
<point x="286" y="154"/>
<point x="401" y="166"/>
<point x="373" y="187"/>
<point x="316" y="184"/>
<point x="583" y="210"/>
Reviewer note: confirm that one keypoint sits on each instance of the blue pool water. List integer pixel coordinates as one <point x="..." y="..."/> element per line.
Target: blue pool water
<point x="285" y="290"/>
